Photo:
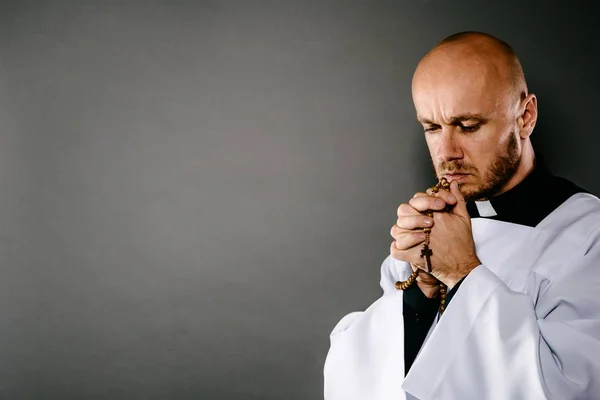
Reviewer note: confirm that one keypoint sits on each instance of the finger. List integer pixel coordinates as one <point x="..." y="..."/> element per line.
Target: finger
<point x="419" y="194"/>
<point x="414" y="222"/>
<point x="461" y="205"/>
<point x="447" y="196"/>
<point x="409" y="255"/>
<point x="396" y="231"/>
<point x="405" y="209"/>
<point x="408" y="239"/>
<point x="424" y="203"/>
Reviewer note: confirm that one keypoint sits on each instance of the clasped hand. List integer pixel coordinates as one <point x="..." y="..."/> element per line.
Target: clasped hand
<point x="451" y="237"/>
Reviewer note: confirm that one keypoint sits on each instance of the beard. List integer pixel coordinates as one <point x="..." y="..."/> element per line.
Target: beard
<point x="497" y="175"/>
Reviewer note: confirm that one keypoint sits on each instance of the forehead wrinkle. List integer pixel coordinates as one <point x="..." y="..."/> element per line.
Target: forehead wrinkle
<point x="452" y="120"/>
<point x="449" y="106"/>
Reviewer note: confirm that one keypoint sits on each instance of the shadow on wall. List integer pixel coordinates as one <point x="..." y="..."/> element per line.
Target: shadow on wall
<point x="424" y="171"/>
<point x="553" y="136"/>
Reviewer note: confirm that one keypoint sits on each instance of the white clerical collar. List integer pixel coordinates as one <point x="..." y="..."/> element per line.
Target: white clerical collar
<point x="529" y="202"/>
<point x="485" y="208"/>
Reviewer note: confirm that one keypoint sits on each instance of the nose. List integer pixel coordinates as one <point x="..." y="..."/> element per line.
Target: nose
<point x="448" y="147"/>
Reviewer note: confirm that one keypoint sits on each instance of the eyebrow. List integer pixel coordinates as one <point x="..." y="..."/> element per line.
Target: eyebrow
<point x="459" y="118"/>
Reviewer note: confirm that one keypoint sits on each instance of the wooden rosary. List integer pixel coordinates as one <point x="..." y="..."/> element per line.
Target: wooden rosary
<point x="426" y="253"/>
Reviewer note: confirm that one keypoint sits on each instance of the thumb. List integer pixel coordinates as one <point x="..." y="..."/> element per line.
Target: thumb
<point x="461" y="205"/>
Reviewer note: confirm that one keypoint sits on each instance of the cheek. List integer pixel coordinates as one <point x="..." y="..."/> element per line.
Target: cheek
<point x="431" y="146"/>
<point x="480" y="156"/>
<point x="477" y="158"/>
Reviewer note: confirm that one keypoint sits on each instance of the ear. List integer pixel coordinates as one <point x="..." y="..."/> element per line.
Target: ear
<point x="528" y="117"/>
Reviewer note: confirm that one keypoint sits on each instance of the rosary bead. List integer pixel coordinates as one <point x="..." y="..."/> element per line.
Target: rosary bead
<point x="426" y="253"/>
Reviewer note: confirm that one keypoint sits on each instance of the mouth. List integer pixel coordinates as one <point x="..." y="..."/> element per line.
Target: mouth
<point x="455" y="176"/>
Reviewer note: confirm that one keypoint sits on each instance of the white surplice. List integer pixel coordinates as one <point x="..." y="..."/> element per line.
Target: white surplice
<point x="523" y="325"/>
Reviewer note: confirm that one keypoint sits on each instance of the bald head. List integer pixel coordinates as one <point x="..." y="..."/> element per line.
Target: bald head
<point x="495" y="50"/>
<point x="475" y="57"/>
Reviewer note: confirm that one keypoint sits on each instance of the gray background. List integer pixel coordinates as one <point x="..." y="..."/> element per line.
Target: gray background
<point x="192" y="194"/>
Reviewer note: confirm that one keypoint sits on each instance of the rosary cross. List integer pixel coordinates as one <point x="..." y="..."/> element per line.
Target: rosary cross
<point x="426" y="251"/>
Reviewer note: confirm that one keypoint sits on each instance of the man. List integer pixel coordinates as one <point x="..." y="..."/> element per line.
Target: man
<point x="514" y="254"/>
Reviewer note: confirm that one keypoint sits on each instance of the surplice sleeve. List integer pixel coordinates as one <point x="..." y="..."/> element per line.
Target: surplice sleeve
<point x="496" y="343"/>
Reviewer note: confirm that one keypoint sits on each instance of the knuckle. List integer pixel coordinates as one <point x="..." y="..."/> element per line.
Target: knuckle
<point x="397" y="253"/>
<point x="414" y="202"/>
<point x="398" y="245"/>
<point x="403" y="223"/>
<point x="419" y="203"/>
<point x="404" y="209"/>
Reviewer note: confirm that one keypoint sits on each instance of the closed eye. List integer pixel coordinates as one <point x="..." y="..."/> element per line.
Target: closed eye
<point x="469" y="128"/>
<point x="432" y="128"/>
